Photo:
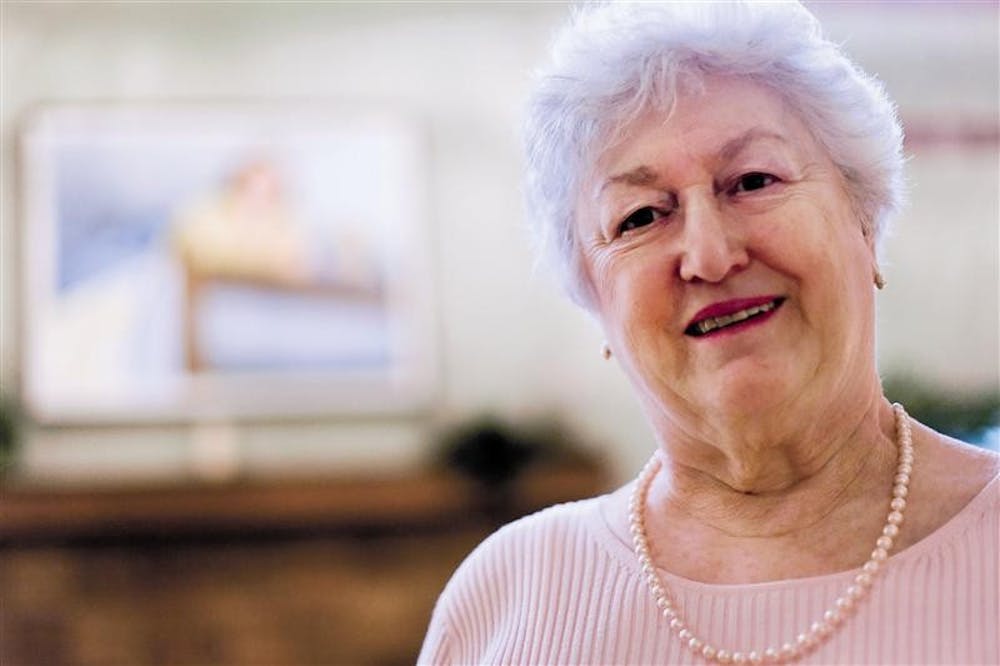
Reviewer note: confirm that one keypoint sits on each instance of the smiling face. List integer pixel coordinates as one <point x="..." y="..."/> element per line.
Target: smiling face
<point x="728" y="267"/>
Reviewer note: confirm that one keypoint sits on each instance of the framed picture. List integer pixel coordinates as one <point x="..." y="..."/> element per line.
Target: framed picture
<point x="188" y="263"/>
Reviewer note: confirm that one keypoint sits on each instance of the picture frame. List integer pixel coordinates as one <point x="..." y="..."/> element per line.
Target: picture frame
<point x="224" y="262"/>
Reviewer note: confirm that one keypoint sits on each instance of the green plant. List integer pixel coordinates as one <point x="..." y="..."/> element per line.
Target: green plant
<point x="964" y="416"/>
<point x="10" y="418"/>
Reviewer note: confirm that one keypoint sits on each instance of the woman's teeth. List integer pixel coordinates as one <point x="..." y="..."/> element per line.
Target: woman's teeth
<point x="713" y="323"/>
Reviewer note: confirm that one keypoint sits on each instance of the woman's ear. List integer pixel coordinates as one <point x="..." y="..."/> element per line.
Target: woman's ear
<point x="867" y="228"/>
<point x="868" y="234"/>
<point x="877" y="277"/>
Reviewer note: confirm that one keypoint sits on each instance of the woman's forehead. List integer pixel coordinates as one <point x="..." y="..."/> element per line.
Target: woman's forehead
<point x="714" y="123"/>
<point x="719" y="111"/>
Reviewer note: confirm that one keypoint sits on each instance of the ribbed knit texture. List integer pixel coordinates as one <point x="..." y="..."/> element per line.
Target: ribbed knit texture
<point x="559" y="587"/>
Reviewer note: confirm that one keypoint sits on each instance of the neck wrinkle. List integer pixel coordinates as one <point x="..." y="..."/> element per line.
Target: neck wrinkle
<point x="813" y="482"/>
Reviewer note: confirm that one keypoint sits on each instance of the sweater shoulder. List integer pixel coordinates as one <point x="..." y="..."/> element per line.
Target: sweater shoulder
<point x="525" y="570"/>
<point x="535" y="540"/>
<point x="579" y="514"/>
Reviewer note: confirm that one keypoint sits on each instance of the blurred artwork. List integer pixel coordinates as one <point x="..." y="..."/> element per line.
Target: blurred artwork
<point x="186" y="263"/>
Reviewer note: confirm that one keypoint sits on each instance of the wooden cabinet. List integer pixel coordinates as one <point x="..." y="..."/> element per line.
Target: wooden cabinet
<point x="304" y="572"/>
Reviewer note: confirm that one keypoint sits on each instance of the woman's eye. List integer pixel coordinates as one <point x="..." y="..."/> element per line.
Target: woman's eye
<point x="640" y="218"/>
<point x="752" y="181"/>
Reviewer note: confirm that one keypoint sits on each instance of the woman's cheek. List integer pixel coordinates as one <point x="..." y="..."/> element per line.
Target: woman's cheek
<point x="646" y="291"/>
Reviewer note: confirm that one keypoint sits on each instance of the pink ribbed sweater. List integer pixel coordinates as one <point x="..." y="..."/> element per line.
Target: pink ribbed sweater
<point x="560" y="587"/>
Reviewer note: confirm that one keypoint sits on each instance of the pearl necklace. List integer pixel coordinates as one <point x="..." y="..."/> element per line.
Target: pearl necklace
<point x="818" y="631"/>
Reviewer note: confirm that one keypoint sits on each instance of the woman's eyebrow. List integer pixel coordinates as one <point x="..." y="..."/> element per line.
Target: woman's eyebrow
<point x="643" y="175"/>
<point x="637" y="177"/>
<point x="736" y="145"/>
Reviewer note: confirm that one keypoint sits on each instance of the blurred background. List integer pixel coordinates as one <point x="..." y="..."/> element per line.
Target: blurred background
<point x="273" y="353"/>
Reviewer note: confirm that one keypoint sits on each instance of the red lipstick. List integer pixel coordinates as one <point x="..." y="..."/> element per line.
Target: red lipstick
<point x="732" y="315"/>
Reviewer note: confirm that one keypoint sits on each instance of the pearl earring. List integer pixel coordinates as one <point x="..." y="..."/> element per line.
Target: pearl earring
<point x="879" y="279"/>
<point x="605" y="351"/>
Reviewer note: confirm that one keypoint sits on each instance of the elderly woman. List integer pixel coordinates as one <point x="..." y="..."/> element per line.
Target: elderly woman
<point x="713" y="181"/>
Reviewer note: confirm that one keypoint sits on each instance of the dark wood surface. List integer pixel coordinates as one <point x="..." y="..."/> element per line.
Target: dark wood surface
<point x="183" y="574"/>
<point x="37" y="512"/>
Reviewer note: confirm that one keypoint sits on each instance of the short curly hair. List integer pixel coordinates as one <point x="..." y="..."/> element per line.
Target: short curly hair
<point x="613" y="61"/>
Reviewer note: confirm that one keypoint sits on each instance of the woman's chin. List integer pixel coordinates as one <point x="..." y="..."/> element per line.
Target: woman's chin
<point x="749" y="401"/>
<point x="750" y="391"/>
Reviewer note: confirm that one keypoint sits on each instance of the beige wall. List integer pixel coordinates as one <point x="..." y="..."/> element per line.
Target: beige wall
<point x="509" y="343"/>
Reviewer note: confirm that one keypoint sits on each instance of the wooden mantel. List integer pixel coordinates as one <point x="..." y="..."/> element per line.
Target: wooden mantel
<point x="32" y="512"/>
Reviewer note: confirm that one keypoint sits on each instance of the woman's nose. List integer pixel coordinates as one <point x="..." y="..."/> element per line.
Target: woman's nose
<point x="713" y="247"/>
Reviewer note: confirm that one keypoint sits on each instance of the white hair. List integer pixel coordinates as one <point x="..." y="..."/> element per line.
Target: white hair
<point x="613" y="61"/>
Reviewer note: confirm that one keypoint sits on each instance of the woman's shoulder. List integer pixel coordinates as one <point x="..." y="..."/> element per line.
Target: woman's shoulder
<point x="542" y="547"/>
<point x="952" y="468"/>
<point x="515" y="574"/>
<point x="533" y="539"/>
<point x="952" y="480"/>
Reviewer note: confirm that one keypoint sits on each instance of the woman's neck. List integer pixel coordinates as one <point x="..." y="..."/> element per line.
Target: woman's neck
<point x="794" y="499"/>
<point x="774" y="448"/>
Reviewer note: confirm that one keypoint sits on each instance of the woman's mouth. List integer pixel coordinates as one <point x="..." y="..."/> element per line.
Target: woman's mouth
<point x="731" y="315"/>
